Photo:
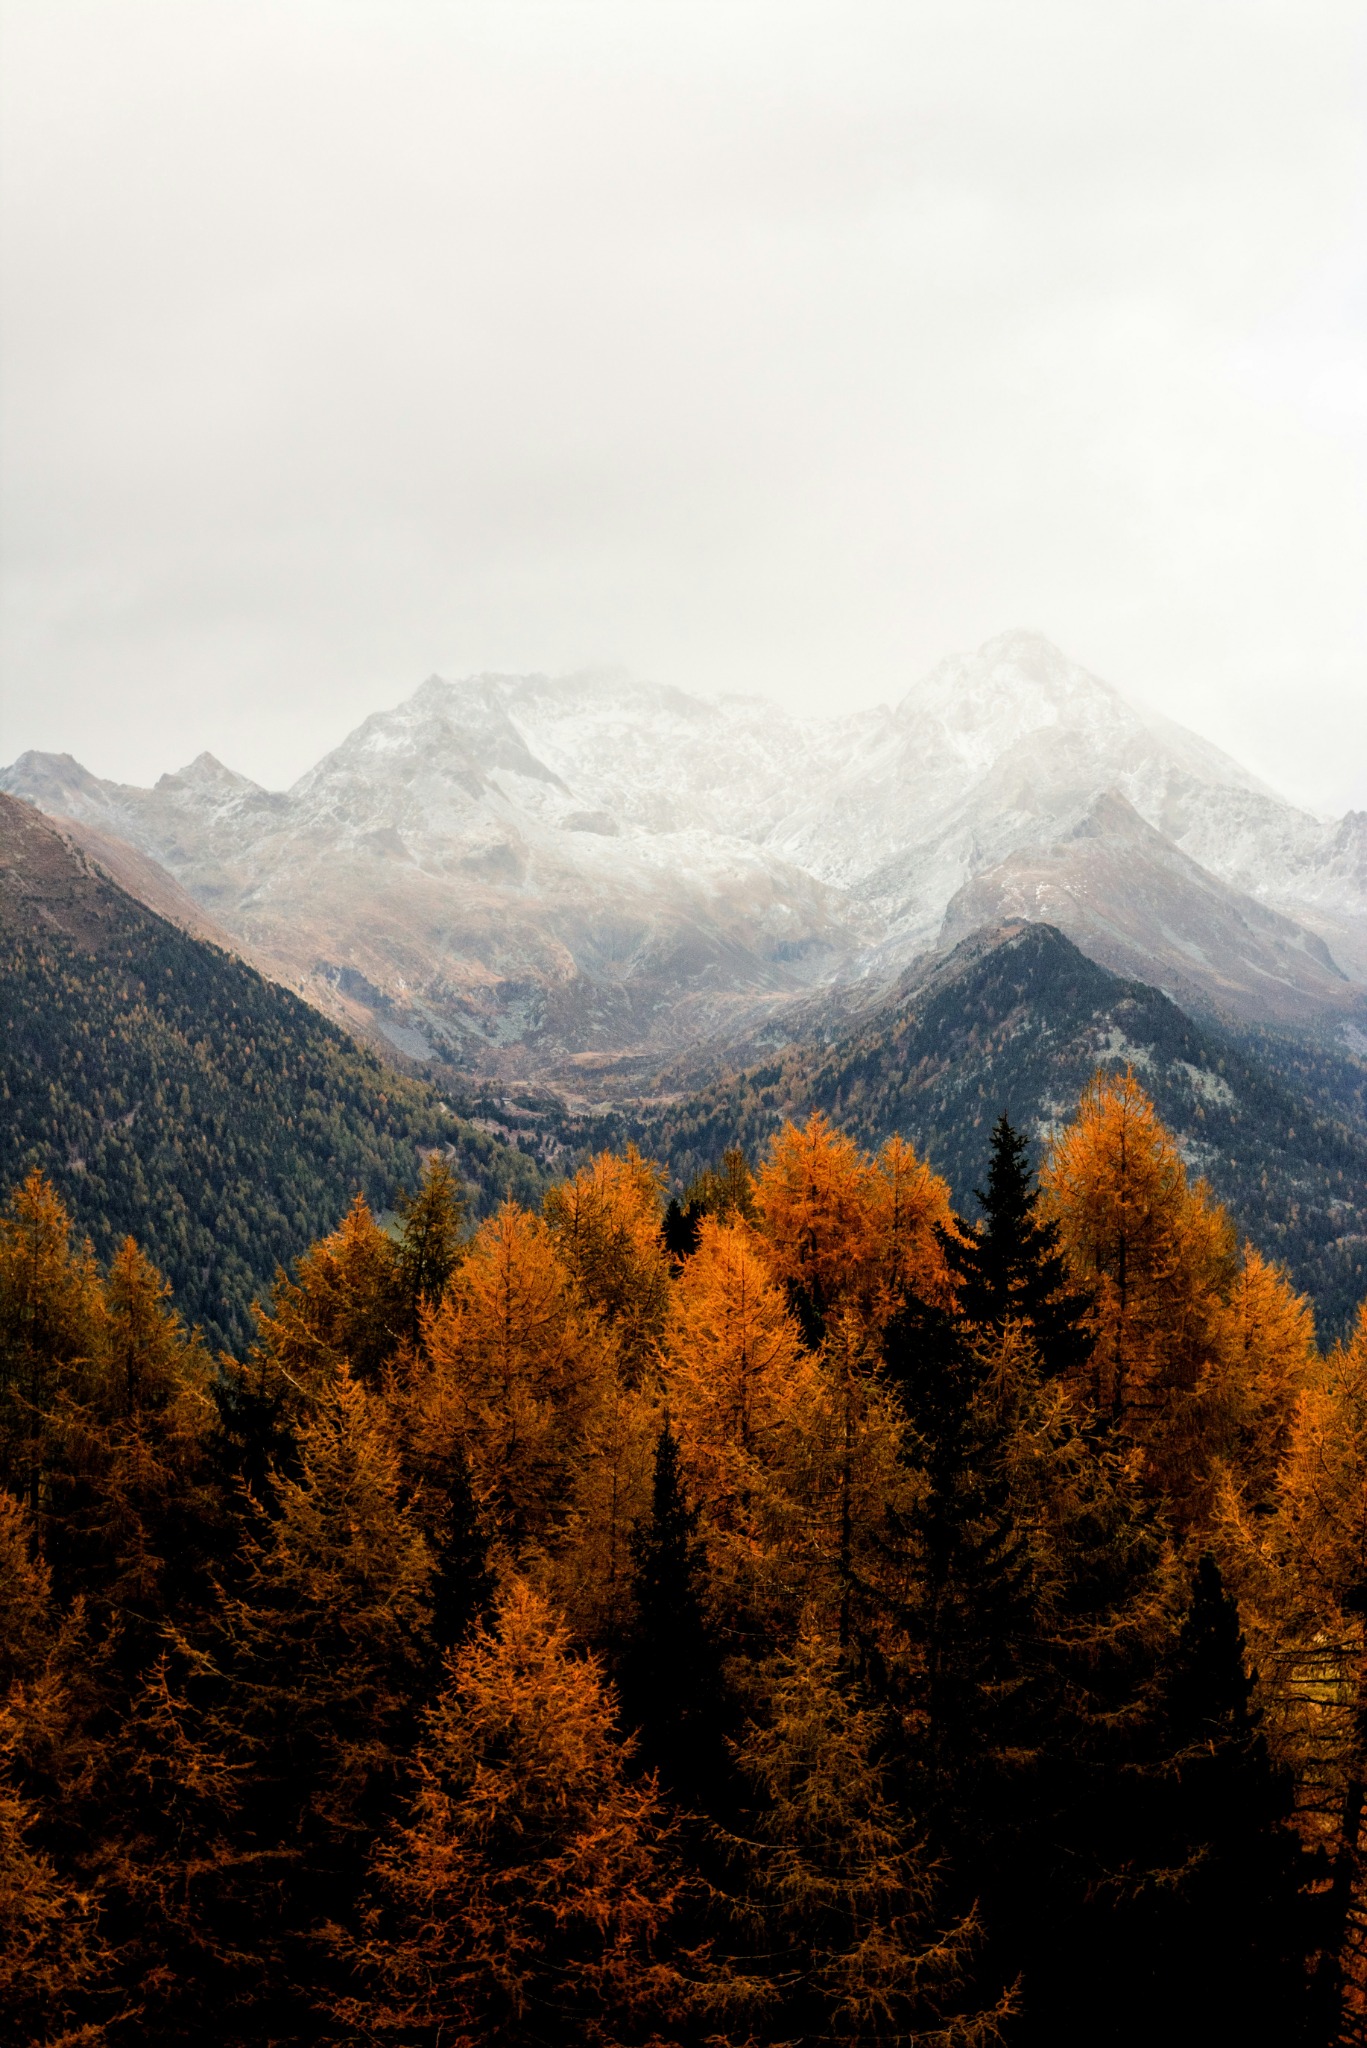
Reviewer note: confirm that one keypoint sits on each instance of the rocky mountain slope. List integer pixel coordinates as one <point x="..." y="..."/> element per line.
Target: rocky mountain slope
<point x="171" y="1093"/>
<point x="1018" y="1019"/>
<point x="511" y="870"/>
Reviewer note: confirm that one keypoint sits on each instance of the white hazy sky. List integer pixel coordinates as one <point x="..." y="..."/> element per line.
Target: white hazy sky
<point x="775" y="346"/>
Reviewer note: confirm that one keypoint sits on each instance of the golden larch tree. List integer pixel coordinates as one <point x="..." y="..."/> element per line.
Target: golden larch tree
<point x="606" y="1221"/>
<point x="746" y="1402"/>
<point x="1159" y="1252"/>
<point x="339" y="1305"/>
<point x="517" y="1360"/>
<point x="523" y="1897"/>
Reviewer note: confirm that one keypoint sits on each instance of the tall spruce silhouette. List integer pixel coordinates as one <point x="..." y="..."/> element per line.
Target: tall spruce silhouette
<point x="971" y="1606"/>
<point x="1207" y="1923"/>
<point x="672" y="1688"/>
<point x="1011" y="1268"/>
<point x="1234" y="1934"/>
<point x="681" y="1229"/>
<point x="462" y="1587"/>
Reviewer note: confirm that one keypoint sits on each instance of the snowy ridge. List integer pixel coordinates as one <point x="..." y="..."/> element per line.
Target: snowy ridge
<point x="593" y="861"/>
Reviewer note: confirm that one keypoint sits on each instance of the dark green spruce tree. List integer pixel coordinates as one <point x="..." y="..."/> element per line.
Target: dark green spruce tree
<point x="1023" y="1579"/>
<point x="673" y="1693"/>
<point x="1233" y="1931"/>
<point x="461" y="1590"/>
<point x="967" y="1605"/>
<point x="722" y="1192"/>
<point x="680" y="1229"/>
<point x="1010" y="1268"/>
<point x="429" y="1247"/>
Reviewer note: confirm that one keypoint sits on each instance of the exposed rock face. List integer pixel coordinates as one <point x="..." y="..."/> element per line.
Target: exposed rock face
<point x="517" y="868"/>
<point x="1130" y="898"/>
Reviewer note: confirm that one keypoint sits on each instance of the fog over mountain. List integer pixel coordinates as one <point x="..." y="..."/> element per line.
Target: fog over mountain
<point x="781" y="346"/>
<point x="515" y="869"/>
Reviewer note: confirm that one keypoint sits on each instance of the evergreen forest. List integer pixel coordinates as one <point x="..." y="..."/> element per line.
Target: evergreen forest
<point x="794" y="1612"/>
<point x="170" y="1092"/>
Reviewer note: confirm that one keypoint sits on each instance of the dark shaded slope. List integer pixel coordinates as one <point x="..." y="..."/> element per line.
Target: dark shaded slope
<point x="1017" y="1019"/>
<point x="169" y="1091"/>
<point x="1143" y="908"/>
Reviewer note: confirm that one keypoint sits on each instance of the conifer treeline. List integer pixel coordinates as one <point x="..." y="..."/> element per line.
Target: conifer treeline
<point x="791" y="1615"/>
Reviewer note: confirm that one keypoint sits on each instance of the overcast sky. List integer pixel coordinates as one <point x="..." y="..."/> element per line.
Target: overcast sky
<point x="775" y="347"/>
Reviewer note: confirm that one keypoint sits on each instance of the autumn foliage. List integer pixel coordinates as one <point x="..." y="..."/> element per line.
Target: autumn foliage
<point x="790" y="1612"/>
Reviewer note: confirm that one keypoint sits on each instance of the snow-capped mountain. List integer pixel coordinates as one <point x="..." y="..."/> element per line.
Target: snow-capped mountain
<point x="597" y="863"/>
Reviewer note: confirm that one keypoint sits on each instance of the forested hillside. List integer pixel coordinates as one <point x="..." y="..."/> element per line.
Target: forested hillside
<point x="804" y="1619"/>
<point x="1016" y="1020"/>
<point x="170" y="1092"/>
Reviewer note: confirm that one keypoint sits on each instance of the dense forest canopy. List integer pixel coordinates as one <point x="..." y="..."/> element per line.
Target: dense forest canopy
<point x="170" y="1092"/>
<point x="787" y="1614"/>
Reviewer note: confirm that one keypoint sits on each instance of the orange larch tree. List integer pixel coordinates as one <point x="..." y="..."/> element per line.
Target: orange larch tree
<point x="51" y="1326"/>
<point x="517" y="1360"/>
<point x="745" y="1398"/>
<point x="606" y="1222"/>
<point x="1159" y="1253"/>
<point x="1264" y="1355"/>
<point x="815" y="1207"/>
<point x="849" y="1233"/>
<point x="338" y="1306"/>
<point x="524" y="1895"/>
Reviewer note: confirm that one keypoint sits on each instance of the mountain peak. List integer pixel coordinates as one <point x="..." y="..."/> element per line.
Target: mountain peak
<point x="1014" y="684"/>
<point x="206" y="772"/>
<point x="460" y="847"/>
<point x="44" y="778"/>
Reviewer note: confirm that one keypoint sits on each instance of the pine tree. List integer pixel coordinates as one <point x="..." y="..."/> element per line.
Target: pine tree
<point x="161" y="1808"/>
<point x="726" y="1193"/>
<point x="589" y="1556"/>
<point x="52" y="1951"/>
<point x="1231" y="1935"/>
<point x="607" y="1223"/>
<point x="259" y="1410"/>
<point x="673" y="1694"/>
<point x="130" y="1517"/>
<point x="50" y="1317"/>
<point x="969" y="1605"/>
<point x="340" y="1306"/>
<point x="1302" y="1582"/>
<point x="745" y="1401"/>
<point x="430" y="1246"/>
<point x="1012" y="1267"/>
<point x="462" y="1585"/>
<point x="1264" y="1357"/>
<point x="680" y="1228"/>
<point x="1158" y="1253"/>
<point x="848" y="1234"/>
<point x="910" y="1214"/>
<point x="1022" y="1604"/>
<point x="814" y="1206"/>
<point x="515" y="1360"/>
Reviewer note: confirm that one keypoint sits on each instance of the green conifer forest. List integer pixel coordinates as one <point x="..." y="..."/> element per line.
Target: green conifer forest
<point x="169" y="1091"/>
